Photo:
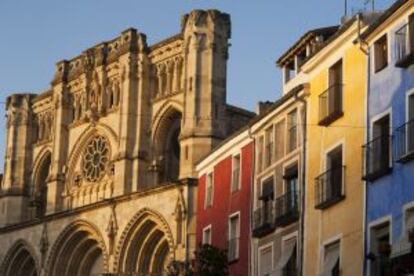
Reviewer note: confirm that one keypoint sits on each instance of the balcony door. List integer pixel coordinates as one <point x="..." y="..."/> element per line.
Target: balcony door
<point x="381" y="146"/>
<point x="335" y="88"/>
<point x="334" y="165"/>
<point x="410" y="125"/>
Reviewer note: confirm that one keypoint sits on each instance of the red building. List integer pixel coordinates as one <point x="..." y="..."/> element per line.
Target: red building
<point x="223" y="204"/>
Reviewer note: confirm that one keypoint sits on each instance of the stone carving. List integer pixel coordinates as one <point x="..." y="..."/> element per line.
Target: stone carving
<point x="168" y="77"/>
<point x="44" y="245"/>
<point x="95" y="159"/>
<point x="44" y="122"/>
<point x="112" y="230"/>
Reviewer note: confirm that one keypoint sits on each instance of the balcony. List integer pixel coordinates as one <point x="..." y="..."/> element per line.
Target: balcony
<point x="330" y="105"/>
<point x="329" y="188"/>
<point x="404" y="46"/>
<point x="377" y="158"/>
<point x="233" y="249"/>
<point x="286" y="209"/>
<point x="404" y="142"/>
<point x="263" y="219"/>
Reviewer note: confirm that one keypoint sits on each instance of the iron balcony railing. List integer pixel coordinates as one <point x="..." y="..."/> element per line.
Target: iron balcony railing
<point x="377" y="157"/>
<point x="330" y="104"/>
<point x="404" y="45"/>
<point x="404" y="142"/>
<point x="233" y="249"/>
<point x="263" y="219"/>
<point x="286" y="209"/>
<point x="329" y="188"/>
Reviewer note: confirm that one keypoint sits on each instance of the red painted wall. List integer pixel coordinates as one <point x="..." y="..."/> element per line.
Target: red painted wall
<point x="225" y="204"/>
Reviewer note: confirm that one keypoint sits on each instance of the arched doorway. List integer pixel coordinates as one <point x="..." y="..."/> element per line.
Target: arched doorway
<point x="167" y="146"/>
<point x="78" y="251"/>
<point x="145" y="246"/>
<point x="38" y="202"/>
<point x="19" y="261"/>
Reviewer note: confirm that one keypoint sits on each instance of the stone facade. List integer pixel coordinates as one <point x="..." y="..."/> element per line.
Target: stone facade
<point x="99" y="170"/>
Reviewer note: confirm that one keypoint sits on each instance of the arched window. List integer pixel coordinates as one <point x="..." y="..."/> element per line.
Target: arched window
<point x="167" y="145"/>
<point x="39" y="193"/>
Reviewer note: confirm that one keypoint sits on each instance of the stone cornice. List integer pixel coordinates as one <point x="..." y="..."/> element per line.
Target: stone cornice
<point x="98" y="205"/>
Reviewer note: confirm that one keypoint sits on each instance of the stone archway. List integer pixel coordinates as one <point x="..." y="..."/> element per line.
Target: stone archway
<point x="79" y="250"/>
<point x="38" y="197"/>
<point x="167" y="149"/>
<point x="20" y="261"/>
<point x="145" y="246"/>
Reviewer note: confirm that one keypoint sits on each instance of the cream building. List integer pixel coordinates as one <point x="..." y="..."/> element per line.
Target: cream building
<point x="99" y="170"/>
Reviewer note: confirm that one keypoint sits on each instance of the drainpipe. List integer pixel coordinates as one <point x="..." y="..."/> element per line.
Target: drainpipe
<point x="252" y="185"/>
<point x="303" y="171"/>
<point x="363" y="45"/>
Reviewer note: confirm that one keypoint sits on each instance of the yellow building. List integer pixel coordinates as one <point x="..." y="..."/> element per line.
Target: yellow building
<point x="334" y="202"/>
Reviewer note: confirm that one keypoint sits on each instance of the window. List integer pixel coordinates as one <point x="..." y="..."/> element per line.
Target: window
<point x="269" y="146"/>
<point x="260" y="154"/>
<point x="404" y="44"/>
<point x="207" y="235"/>
<point x="209" y="190"/>
<point x="234" y="236"/>
<point x="331" y="260"/>
<point x="380" y="249"/>
<point x="330" y="184"/>
<point x="265" y="261"/>
<point x="292" y="130"/>
<point x="381" y="53"/>
<point x="287" y="262"/>
<point x="404" y="135"/>
<point x="267" y="189"/>
<point x="235" y="180"/>
<point x="378" y="150"/>
<point x="279" y="140"/>
<point x="290" y="71"/>
<point x="330" y="101"/>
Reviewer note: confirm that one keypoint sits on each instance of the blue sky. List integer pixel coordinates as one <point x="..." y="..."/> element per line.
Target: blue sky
<point x="37" y="34"/>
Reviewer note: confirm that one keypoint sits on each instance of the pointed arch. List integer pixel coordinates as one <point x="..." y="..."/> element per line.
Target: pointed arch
<point x="20" y="260"/>
<point x="146" y="240"/>
<point x="79" y="250"/>
<point x="167" y="149"/>
<point x="38" y="191"/>
<point x="84" y="139"/>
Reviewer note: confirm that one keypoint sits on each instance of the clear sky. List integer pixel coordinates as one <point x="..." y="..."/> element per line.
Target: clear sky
<point x="37" y="34"/>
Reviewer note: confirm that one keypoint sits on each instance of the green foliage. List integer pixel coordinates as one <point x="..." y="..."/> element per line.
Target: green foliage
<point x="210" y="261"/>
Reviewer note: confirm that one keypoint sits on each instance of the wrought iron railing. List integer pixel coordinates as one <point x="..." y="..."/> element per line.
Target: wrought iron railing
<point x="263" y="218"/>
<point x="233" y="249"/>
<point x="286" y="208"/>
<point x="330" y="104"/>
<point x="404" y="46"/>
<point x="404" y="142"/>
<point x="377" y="157"/>
<point x="329" y="187"/>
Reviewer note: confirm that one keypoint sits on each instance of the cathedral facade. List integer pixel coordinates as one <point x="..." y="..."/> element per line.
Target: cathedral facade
<point x="99" y="175"/>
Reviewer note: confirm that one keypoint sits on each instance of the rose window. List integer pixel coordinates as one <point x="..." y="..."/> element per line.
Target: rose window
<point x="95" y="159"/>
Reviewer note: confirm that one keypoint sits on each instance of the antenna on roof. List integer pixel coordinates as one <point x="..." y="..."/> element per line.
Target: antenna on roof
<point x="346" y="8"/>
<point x="372" y="4"/>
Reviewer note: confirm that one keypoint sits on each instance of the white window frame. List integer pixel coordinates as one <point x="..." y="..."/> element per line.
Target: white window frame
<point x="408" y="207"/>
<point x="375" y="224"/>
<point x="263" y="180"/>
<point x="294" y="235"/>
<point x="375" y="119"/>
<point x="262" y="248"/>
<point x="325" y="244"/>
<point x="234" y="215"/>
<point x="238" y="188"/>
<point x="206" y="229"/>
<point x="209" y="204"/>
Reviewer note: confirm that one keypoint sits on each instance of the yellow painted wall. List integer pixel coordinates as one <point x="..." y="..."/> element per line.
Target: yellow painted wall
<point x="344" y="219"/>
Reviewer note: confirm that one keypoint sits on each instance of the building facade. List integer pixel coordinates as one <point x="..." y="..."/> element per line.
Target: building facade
<point x="334" y="200"/>
<point x="223" y="201"/>
<point x="277" y="191"/>
<point x="389" y="170"/>
<point x="100" y="169"/>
